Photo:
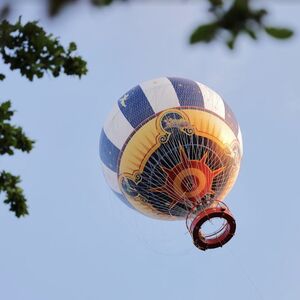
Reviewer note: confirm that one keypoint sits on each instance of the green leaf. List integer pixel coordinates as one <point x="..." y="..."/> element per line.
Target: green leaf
<point x="55" y="6"/>
<point x="5" y="112"/>
<point x="204" y="33"/>
<point x="101" y="2"/>
<point x="14" y="194"/>
<point x="251" y="33"/>
<point x="279" y="32"/>
<point x="216" y="2"/>
<point x="72" y="47"/>
<point x="230" y="43"/>
<point x="11" y="137"/>
<point x="2" y="76"/>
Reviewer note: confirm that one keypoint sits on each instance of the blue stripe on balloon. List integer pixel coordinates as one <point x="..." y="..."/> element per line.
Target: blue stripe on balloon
<point x="124" y="200"/>
<point x="230" y="119"/>
<point x="109" y="153"/>
<point x="188" y="92"/>
<point x="135" y="106"/>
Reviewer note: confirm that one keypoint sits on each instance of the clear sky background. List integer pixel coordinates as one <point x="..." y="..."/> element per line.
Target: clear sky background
<point x="79" y="241"/>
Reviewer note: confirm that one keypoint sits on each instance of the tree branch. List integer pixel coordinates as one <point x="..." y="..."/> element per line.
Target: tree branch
<point x="14" y="194"/>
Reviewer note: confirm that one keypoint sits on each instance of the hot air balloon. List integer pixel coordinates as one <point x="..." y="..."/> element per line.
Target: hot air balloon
<point x="171" y="149"/>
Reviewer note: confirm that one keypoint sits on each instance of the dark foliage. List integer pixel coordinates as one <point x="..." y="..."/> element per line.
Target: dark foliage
<point x="11" y="137"/>
<point x="14" y="194"/>
<point x="239" y="18"/>
<point x="30" y="50"/>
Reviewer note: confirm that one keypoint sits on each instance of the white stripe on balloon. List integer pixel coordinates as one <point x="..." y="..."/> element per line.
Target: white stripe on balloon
<point x="212" y="100"/>
<point x="160" y="94"/>
<point x="117" y="128"/>
<point x="111" y="178"/>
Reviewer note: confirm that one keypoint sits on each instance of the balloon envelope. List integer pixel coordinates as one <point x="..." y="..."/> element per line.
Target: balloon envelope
<point x="170" y="145"/>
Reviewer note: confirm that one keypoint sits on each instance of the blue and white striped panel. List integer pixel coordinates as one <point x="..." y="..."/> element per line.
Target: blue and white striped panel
<point x="112" y="181"/>
<point x="230" y="119"/>
<point x="109" y="153"/>
<point x="212" y="101"/>
<point x="135" y="106"/>
<point x="117" y="128"/>
<point x="113" y="136"/>
<point x="160" y="94"/>
<point x="111" y="178"/>
<point x="188" y="92"/>
<point x="110" y="175"/>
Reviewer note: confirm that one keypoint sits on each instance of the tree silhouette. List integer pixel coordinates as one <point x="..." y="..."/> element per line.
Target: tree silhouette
<point x="238" y="18"/>
<point x="29" y="49"/>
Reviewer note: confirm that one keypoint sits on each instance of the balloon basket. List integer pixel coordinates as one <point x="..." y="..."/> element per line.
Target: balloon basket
<point x="211" y="227"/>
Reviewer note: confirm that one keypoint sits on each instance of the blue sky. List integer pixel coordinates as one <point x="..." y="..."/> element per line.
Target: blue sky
<point x="79" y="241"/>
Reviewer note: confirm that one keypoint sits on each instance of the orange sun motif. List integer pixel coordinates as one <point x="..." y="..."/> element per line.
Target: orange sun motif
<point x="189" y="180"/>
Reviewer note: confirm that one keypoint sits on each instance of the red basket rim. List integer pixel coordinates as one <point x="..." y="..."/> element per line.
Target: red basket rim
<point x="228" y="230"/>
